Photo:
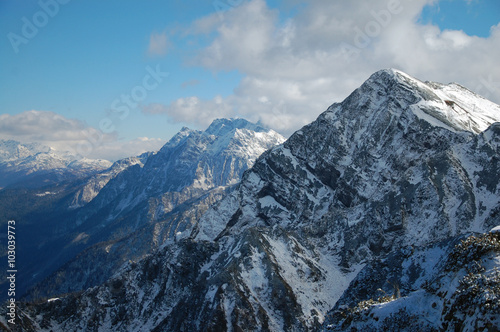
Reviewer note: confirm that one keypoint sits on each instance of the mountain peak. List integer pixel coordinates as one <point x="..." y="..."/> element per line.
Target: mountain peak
<point x="220" y="127"/>
<point x="449" y="106"/>
<point x="392" y="72"/>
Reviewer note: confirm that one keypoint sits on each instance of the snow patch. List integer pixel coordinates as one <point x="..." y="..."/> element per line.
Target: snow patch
<point x="495" y="230"/>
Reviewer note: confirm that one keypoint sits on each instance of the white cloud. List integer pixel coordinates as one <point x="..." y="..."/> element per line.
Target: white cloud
<point x="121" y="149"/>
<point x="294" y="69"/>
<point x="193" y="110"/>
<point x="158" y="44"/>
<point x="71" y="135"/>
<point x="46" y="127"/>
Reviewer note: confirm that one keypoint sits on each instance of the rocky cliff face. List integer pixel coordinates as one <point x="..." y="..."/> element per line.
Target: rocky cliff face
<point x="375" y="159"/>
<point x="399" y="163"/>
<point x="447" y="286"/>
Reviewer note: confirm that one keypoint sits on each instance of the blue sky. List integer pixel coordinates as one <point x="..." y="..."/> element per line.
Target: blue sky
<point x="474" y="17"/>
<point x="278" y="62"/>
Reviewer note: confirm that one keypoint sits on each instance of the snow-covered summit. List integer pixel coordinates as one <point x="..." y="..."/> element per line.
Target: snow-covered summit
<point x="16" y="152"/>
<point x="220" y="127"/>
<point x="235" y="137"/>
<point x="451" y="106"/>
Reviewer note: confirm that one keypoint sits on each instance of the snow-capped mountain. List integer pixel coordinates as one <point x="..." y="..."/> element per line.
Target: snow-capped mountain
<point x="395" y="175"/>
<point x="191" y="163"/>
<point x="38" y="165"/>
<point x="149" y="203"/>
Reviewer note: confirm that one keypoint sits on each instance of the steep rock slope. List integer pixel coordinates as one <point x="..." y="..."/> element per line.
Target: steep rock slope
<point x="94" y="184"/>
<point x="447" y="286"/>
<point x="390" y="166"/>
<point x="142" y="207"/>
<point x="375" y="160"/>
<point x="400" y="162"/>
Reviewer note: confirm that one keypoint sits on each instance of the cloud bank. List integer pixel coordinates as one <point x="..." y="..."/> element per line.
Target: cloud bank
<point x="295" y="68"/>
<point x="61" y="133"/>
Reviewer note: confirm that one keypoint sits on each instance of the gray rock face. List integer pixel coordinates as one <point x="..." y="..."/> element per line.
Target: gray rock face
<point x="371" y="161"/>
<point x="399" y="163"/>
<point x="447" y="286"/>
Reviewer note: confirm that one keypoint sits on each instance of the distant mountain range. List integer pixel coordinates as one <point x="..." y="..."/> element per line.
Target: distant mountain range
<point x="376" y="216"/>
<point x="37" y="165"/>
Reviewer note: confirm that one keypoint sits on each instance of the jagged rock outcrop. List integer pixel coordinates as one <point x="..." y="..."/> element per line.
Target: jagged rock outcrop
<point x="447" y="286"/>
